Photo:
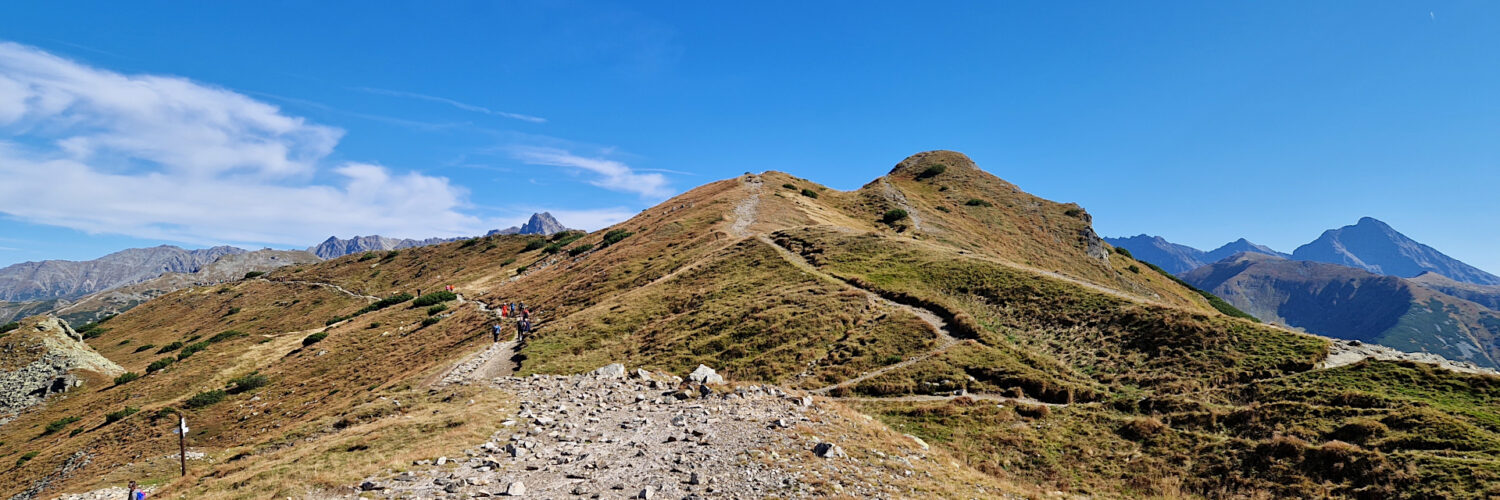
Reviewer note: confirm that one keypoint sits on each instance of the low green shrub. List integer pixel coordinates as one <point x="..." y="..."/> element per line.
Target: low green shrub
<point x="169" y="347"/>
<point x="232" y="311"/>
<point x="204" y="399"/>
<point x="191" y="349"/>
<point x="1124" y="251"/>
<point x="145" y="348"/>
<point x="535" y="244"/>
<point x="227" y="335"/>
<point x="26" y="458"/>
<point x="976" y="202"/>
<point x="254" y="274"/>
<point x="810" y="193"/>
<point x="789" y="186"/>
<point x="893" y="216"/>
<point x="10" y="327"/>
<point x="1134" y="269"/>
<point x="314" y="338"/>
<point x="390" y="255"/>
<point x="126" y="377"/>
<point x="430" y="321"/>
<point x="932" y="171"/>
<point x="247" y="383"/>
<point x="614" y="236"/>
<point x="116" y="416"/>
<point x="432" y="311"/>
<point x="367" y="256"/>
<point x="59" y="424"/>
<point x="384" y="303"/>
<point x="580" y="249"/>
<point x="434" y="298"/>
<point x="157" y="365"/>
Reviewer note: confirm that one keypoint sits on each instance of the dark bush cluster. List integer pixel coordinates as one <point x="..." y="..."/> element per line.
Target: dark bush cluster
<point x="157" y="365"/>
<point x="810" y="193"/>
<point x="976" y="202"/>
<point x="384" y="303"/>
<point x="314" y="338"/>
<point x="126" y="377"/>
<point x="254" y="274"/>
<point x="893" y="216"/>
<point x="9" y="327"/>
<point x="59" y="424"/>
<point x="614" y="236"/>
<point x="580" y="249"/>
<point x="247" y="383"/>
<point x="205" y="399"/>
<point x="434" y="298"/>
<point x="932" y="171"/>
<point x="116" y="416"/>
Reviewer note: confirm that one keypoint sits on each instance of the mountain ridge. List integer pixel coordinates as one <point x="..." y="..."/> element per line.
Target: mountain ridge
<point x="50" y="279"/>
<point x="1375" y="246"/>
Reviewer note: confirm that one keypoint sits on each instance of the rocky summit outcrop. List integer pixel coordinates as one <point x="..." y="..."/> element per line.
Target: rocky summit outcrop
<point x="540" y="223"/>
<point x="62" y="278"/>
<point x="45" y="356"/>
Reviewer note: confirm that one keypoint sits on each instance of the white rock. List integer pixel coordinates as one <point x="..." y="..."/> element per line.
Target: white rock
<point x="705" y="375"/>
<point x="515" y="489"/>
<point x="615" y="370"/>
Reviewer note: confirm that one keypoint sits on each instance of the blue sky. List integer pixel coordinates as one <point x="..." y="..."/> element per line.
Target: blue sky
<point x="279" y="124"/>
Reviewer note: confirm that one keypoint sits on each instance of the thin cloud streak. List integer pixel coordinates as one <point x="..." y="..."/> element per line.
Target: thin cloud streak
<point x="457" y="104"/>
<point x="612" y="175"/>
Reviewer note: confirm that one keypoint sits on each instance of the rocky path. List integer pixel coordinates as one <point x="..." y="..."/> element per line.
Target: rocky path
<point x="646" y="435"/>
<point x="492" y="362"/>
<point x="326" y="285"/>
<point x="747" y="211"/>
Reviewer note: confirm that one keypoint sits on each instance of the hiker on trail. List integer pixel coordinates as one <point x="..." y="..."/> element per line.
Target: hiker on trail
<point x="504" y="310"/>
<point x="496" y="331"/>
<point x="135" y="492"/>
<point x="526" y="313"/>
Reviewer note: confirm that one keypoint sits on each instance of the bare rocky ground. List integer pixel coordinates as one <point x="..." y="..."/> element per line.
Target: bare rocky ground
<point x="1348" y="352"/>
<point x="648" y="435"/>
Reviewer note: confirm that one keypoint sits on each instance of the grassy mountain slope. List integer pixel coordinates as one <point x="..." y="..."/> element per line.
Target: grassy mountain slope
<point x="1354" y="304"/>
<point x="1083" y="370"/>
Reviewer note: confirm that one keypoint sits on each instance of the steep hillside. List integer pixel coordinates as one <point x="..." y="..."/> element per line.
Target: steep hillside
<point x="67" y="279"/>
<point x="940" y="301"/>
<point x="1349" y="303"/>
<point x="1376" y="247"/>
<point x="45" y="356"/>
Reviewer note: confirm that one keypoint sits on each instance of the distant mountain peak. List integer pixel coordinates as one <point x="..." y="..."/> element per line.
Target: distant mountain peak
<point x="542" y="223"/>
<point x="1375" y="246"/>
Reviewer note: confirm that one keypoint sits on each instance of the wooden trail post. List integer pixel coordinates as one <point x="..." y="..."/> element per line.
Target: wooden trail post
<point x="182" y="430"/>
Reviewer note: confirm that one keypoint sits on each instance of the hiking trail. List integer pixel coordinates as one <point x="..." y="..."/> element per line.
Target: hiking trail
<point x="939" y="327"/>
<point x="490" y="363"/>
<point x="325" y="285"/>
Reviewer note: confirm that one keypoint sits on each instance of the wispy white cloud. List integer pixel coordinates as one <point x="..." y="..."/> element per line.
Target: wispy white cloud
<point x="457" y="104"/>
<point x="610" y="174"/>
<point x="167" y="158"/>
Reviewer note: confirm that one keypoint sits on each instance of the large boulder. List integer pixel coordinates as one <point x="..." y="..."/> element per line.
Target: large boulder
<point x="705" y="375"/>
<point x="615" y="370"/>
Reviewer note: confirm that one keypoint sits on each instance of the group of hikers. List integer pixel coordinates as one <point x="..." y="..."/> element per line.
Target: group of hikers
<point x="520" y="313"/>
